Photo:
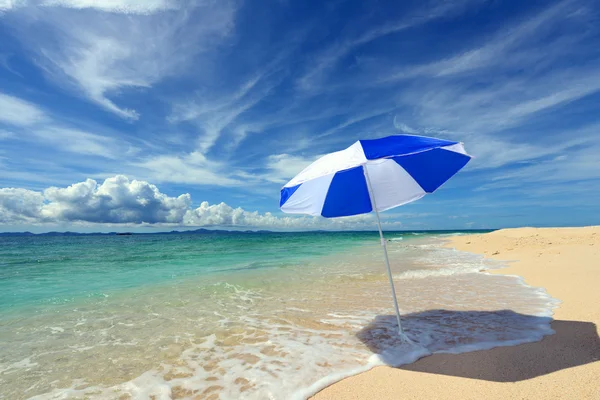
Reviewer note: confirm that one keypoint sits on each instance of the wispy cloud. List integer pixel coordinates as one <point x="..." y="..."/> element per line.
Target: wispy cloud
<point x="515" y="40"/>
<point x="117" y="6"/>
<point x="35" y="126"/>
<point x="101" y="56"/>
<point x="356" y="119"/>
<point x="6" y="134"/>
<point x="81" y="142"/>
<point x="16" y="111"/>
<point x="5" y="62"/>
<point x="283" y="167"/>
<point x="213" y="115"/>
<point x="492" y="95"/>
<point x="191" y="168"/>
<point x="402" y="127"/>
<point x="331" y="56"/>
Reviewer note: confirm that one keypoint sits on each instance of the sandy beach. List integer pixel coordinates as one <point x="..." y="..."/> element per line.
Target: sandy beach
<point x="564" y="261"/>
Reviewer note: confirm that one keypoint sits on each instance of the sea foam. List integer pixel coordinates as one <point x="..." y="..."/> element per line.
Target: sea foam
<point x="288" y="333"/>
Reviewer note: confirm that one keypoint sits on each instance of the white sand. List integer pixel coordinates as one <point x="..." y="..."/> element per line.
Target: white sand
<point x="565" y="261"/>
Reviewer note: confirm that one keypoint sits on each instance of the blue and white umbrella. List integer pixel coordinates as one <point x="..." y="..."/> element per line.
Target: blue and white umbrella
<point x="373" y="175"/>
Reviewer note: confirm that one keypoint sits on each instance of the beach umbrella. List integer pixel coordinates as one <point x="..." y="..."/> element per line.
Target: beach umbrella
<point x="374" y="175"/>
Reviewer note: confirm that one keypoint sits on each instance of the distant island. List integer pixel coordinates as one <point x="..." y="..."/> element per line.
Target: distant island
<point x="204" y="231"/>
<point x="191" y="232"/>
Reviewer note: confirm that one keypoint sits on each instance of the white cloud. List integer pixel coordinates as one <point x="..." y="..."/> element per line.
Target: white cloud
<point x="284" y="167"/>
<point x="403" y="127"/>
<point x="19" y="112"/>
<point x="499" y="104"/>
<point x="115" y="6"/>
<point x="326" y="60"/>
<point x="490" y="96"/>
<point x="528" y="42"/>
<point x="5" y="62"/>
<point x="118" y="6"/>
<point x="492" y="120"/>
<point x="20" y="205"/>
<point x="574" y="165"/>
<point x="39" y="128"/>
<point x="192" y="168"/>
<point x="102" y="56"/>
<point x="80" y="142"/>
<point x="224" y="215"/>
<point x="6" y="5"/>
<point x="356" y="119"/>
<point x="227" y="216"/>
<point x="6" y="134"/>
<point x="119" y="200"/>
<point x="213" y="113"/>
<point x="494" y="152"/>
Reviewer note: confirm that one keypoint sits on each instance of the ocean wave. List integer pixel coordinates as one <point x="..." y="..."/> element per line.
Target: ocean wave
<point x="287" y="336"/>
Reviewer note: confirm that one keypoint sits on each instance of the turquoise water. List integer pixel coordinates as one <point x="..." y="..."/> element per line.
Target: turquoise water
<point x="239" y="315"/>
<point x="43" y="270"/>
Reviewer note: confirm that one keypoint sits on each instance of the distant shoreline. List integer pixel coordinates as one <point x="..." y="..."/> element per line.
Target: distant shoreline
<point x="224" y="231"/>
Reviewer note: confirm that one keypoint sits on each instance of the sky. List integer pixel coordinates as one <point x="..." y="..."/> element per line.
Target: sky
<point x="146" y="115"/>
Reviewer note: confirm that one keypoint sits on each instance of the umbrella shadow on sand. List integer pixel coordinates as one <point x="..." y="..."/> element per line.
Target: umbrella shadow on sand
<point x="442" y="332"/>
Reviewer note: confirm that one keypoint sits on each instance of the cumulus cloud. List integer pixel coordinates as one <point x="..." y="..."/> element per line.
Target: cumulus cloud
<point x="119" y="200"/>
<point x="20" y="205"/>
<point x="227" y="216"/>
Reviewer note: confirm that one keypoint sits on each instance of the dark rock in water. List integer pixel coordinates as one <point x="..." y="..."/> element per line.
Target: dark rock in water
<point x="124" y="233"/>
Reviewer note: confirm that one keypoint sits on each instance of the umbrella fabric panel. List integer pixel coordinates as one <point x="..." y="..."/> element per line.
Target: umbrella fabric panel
<point x="398" y="145"/>
<point x="392" y="185"/>
<point x="286" y="193"/>
<point x="306" y="198"/>
<point x="331" y="163"/>
<point x="402" y="169"/>
<point x="336" y="195"/>
<point x="430" y="169"/>
<point x="364" y="151"/>
<point x="395" y="181"/>
<point x="347" y="195"/>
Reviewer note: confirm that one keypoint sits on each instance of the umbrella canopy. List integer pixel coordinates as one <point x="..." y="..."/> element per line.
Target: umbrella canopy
<point x="374" y="175"/>
<point x="401" y="169"/>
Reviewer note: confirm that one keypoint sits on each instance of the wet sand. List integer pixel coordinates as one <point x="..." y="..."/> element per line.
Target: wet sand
<point x="565" y="261"/>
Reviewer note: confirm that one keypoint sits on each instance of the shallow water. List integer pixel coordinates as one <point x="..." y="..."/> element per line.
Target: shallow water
<point x="240" y="316"/>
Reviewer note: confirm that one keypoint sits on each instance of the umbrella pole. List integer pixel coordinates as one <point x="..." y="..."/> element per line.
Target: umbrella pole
<point x="385" y="254"/>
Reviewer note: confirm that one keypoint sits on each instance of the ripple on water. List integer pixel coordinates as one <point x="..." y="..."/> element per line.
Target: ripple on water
<point x="257" y="333"/>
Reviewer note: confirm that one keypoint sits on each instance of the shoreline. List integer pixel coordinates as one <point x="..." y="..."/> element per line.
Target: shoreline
<point x="563" y="261"/>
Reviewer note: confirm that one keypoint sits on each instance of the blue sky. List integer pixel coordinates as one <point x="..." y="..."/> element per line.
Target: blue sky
<point x="148" y="115"/>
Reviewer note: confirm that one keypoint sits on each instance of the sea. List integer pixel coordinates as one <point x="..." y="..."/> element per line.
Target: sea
<point x="226" y="315"/>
